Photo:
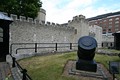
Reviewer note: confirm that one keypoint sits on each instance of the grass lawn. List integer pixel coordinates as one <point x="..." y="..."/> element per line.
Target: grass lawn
<point x="111" y="50"/>
<point x="51" y="67"/>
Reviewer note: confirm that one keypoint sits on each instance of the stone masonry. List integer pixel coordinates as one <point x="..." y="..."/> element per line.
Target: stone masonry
<point x="24" y="30"/>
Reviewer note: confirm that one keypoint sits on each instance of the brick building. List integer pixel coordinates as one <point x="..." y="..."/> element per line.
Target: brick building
<point x="109" y="22"/>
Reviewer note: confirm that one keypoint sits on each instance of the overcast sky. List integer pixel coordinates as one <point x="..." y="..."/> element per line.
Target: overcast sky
<point x="60" y="11"/>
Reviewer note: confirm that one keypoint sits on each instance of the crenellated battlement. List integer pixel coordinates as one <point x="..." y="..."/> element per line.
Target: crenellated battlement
<point x="46" y="23"/>
<point x="78" y="18"/>
<point x="34" y="21"/>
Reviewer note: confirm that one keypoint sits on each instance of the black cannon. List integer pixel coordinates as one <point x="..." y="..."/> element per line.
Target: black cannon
<point x="86" y="52"/>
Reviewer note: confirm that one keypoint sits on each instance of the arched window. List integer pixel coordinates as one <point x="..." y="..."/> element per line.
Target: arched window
<point x="1" y="34"/>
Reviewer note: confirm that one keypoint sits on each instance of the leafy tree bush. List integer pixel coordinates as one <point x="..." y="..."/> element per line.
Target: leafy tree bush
<point x="28" y="8"/>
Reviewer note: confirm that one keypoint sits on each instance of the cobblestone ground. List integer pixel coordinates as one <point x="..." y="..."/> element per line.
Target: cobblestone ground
<point x="5" y="71"/>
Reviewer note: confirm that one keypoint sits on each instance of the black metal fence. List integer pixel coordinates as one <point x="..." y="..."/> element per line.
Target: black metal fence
<point x="23" y="71"/>
<point x="15" y="47"/>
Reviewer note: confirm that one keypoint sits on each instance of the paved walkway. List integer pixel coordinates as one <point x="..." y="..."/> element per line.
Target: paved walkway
<point x="9" y="73"/>
<point x="5" y="71"/>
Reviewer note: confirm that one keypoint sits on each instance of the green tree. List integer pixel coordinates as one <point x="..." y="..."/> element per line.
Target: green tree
<point x="28" y="8"/>
<point x="7" y="5"/>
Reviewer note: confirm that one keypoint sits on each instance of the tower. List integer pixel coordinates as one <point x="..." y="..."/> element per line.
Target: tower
<point x="41" y="15"/>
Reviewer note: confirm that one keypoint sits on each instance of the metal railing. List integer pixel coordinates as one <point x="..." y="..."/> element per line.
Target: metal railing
<point x="35" y="47"/>
<point x="23" y="71"/>
<point x="54" y="46"/>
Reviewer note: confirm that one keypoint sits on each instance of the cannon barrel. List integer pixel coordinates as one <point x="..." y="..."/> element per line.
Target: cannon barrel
<point x="86" y="52"/>
<point x="86" y="48"/>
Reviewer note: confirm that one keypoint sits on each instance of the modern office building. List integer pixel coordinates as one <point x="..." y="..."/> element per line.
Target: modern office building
<point x="109" y="22"/>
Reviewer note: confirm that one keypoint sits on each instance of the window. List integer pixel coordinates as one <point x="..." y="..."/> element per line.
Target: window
<point x="117" y="18"/>
<point x="116" y="26"/>
<point x="110" y="19"/>
<point x="1" y="34"/>
<point x="104" y="30"/>
<point x="100" y="25"/>
<point x="104" y="27"/>
<point x="104" y="24"/>
<point x="110" y="26"/>
<point x="109" y="29"/>
<point x="104" y="20"/>
<point x="116" y="22"/>
<point x="75" y="31"/>
<point x="100" y="21"/>
<point x="116" y="29"/>
<point x="110" y="22"/>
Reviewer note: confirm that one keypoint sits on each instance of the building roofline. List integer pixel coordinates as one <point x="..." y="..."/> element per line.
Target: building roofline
<point x="4" y="17"/>
<point x="104" y="16"/>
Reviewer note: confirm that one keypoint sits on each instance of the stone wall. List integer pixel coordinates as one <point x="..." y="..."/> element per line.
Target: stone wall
<point x="34" y="31"/>
<point x="108" y="40"/>
<point x="81" y="27"/>
<point x="96" y="32"/>
<point x="27" y="30"/>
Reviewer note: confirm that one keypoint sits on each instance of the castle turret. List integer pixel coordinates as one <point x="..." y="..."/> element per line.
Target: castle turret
<point x="81" y="27"/>
<point x="41" y="15"/>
